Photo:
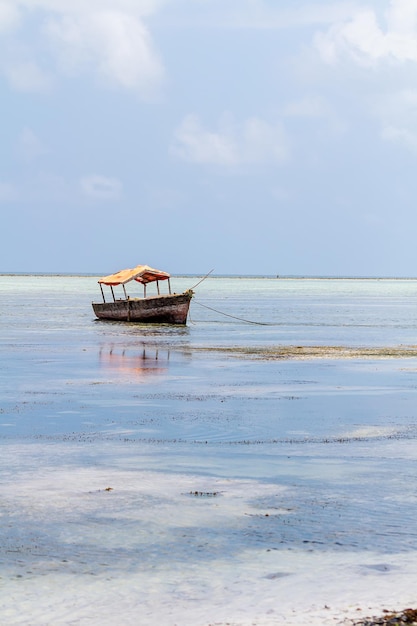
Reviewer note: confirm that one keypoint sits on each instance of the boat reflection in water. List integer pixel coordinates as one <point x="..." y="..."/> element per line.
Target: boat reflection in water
<point x="142" y="363"/>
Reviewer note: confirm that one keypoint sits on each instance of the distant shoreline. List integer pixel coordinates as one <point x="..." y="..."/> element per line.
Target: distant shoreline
<point x="228" y="276"/>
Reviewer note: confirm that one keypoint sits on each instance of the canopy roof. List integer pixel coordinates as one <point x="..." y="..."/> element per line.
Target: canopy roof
<point x="142" y="273"/>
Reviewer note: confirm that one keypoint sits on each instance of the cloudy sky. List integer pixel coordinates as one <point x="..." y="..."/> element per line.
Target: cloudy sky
<point x="248" y="136"/>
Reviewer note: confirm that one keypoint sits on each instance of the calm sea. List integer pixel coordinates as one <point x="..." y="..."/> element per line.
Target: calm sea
<point x="156" y="474"/>
<point x="323" y="311"/>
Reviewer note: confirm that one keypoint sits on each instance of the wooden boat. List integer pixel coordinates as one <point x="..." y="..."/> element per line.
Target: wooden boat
<point x="170" y="308"/>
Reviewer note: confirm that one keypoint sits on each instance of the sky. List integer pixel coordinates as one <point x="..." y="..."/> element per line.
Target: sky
<point x="272" y="137"/>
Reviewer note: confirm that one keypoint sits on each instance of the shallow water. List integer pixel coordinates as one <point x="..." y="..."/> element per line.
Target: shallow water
<point x="147" y="479"/>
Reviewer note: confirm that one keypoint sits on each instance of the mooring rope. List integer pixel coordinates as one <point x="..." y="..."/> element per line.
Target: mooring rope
<point x="200" y="281"/>
<point x="241" y="319"/>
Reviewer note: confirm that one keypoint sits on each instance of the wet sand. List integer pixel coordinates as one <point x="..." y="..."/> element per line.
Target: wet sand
<point x="317" y="352"/>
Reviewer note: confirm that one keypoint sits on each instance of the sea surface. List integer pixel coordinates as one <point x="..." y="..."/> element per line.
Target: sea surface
<point x="255" y="467"/>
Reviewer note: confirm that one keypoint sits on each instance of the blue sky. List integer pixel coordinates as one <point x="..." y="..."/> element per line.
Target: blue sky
<point x="248" y="136"/>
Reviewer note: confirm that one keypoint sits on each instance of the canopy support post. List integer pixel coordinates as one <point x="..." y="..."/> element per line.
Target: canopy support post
<point x="144" y="290"/>
<point x="102" y="293"/>
<point x="169" y="286"/>
<point x="112" y="292"/>
<point x="157" y="287"/>
<point x="124" y="289"/>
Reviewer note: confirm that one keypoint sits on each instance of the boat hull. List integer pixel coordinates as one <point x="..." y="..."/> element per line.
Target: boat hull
<point x="166" y="309"/>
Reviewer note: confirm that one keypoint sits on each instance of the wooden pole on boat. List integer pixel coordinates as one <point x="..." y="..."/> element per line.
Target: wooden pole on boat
<point x="102" y="292"/>
<point x="124" y="289"/>
<point x="157" y="287"/>
<point x="111" y="287"/>
<point x="144" y="290"/>
<point x="169" y="286"/>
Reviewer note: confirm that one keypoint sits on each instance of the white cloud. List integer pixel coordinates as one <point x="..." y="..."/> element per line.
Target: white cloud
<point x="254" y="141"/>
<point x="384" y="37"/>
<point x="108" y="39"/>
<point x="364" y="40"/>
<point x="117" y="45"/>
<point x="101" y="187"/>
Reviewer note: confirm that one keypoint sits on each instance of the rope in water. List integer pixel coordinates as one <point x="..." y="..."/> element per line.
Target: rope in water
<point x="241" y="319"/>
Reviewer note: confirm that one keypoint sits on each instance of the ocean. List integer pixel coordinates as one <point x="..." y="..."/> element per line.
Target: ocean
<point x="256" y="467"/>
